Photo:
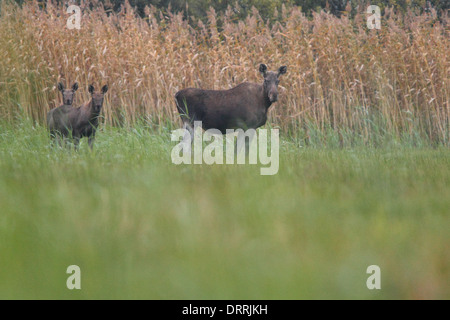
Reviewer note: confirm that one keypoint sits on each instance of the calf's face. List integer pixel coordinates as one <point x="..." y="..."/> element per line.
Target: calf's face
<point x="97" y="98"/>
<point x="271" y="81"/>
<point x="68" y="94"/>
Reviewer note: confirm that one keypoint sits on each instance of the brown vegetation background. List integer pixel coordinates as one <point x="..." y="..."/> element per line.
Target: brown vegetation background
<point x="342" y="77"/>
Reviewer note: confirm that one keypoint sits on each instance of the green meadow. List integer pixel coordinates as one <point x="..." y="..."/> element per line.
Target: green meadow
<point x="140" y="227"/>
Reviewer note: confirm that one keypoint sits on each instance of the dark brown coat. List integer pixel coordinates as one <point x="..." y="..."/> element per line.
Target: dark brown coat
<point x="242" y="107"/>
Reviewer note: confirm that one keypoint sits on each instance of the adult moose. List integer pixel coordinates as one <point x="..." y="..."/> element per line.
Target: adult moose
<point x="68" y="94"/>
<point x="242" y="107"/>
<point x="70" y="122"/>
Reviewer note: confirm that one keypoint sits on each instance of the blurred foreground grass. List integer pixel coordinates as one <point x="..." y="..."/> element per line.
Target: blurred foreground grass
<point x="140" y="227"/>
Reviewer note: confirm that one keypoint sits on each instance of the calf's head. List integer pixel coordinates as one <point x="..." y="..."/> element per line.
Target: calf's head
<point x="68" y="94"/>
<point x="97" y="98"/>
<point x="271" y="81"/>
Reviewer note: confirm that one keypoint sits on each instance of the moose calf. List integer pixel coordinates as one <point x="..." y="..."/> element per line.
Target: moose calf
<point x="68" y="94"/>
<point x="70" y="122"/>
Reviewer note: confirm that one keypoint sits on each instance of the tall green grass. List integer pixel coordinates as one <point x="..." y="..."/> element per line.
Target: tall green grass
<point x="140" y="227"/>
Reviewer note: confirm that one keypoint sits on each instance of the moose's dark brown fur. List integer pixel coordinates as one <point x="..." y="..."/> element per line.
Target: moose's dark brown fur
<point x="70" y="122"/>
<point x="242" y="107"/>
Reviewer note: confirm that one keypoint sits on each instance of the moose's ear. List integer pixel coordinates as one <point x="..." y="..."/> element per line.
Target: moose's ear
<point x="75" y="86"/>
<point x="282" y="70"/>
<point x="60" y="87"/>
<point x="91" y="89"/>
<point x="105" y="89"/>
<point x="263" y="68"/>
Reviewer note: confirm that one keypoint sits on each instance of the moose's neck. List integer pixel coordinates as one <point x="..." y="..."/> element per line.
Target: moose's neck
<point x="267" y="102"/>
<point x="92" y="113"/>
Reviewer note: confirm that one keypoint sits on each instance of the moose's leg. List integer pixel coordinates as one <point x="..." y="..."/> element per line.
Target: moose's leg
<point x="188" y="136"/>
<point x="66" y="137"/>
<point x="76" y="142"/>
<point x="245" y="138"/>
<point x="243" y="132"/>
<point x="59" y="140"/>
<point x="52" y="138"/>
<point x="91" y="140"/>
<point x="66" y="142"/>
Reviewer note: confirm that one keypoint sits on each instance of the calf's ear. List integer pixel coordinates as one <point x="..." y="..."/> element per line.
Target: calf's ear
<point x="263" y="69"/>
<point x="60" y="87"/>
<point x="105" y="89"/>
<point x="282" y="70"/>
<point x="75" y="86"/>
<point x="91" y="89"/>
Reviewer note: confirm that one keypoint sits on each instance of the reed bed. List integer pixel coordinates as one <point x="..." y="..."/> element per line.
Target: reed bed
<point x="342" y="78"/>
